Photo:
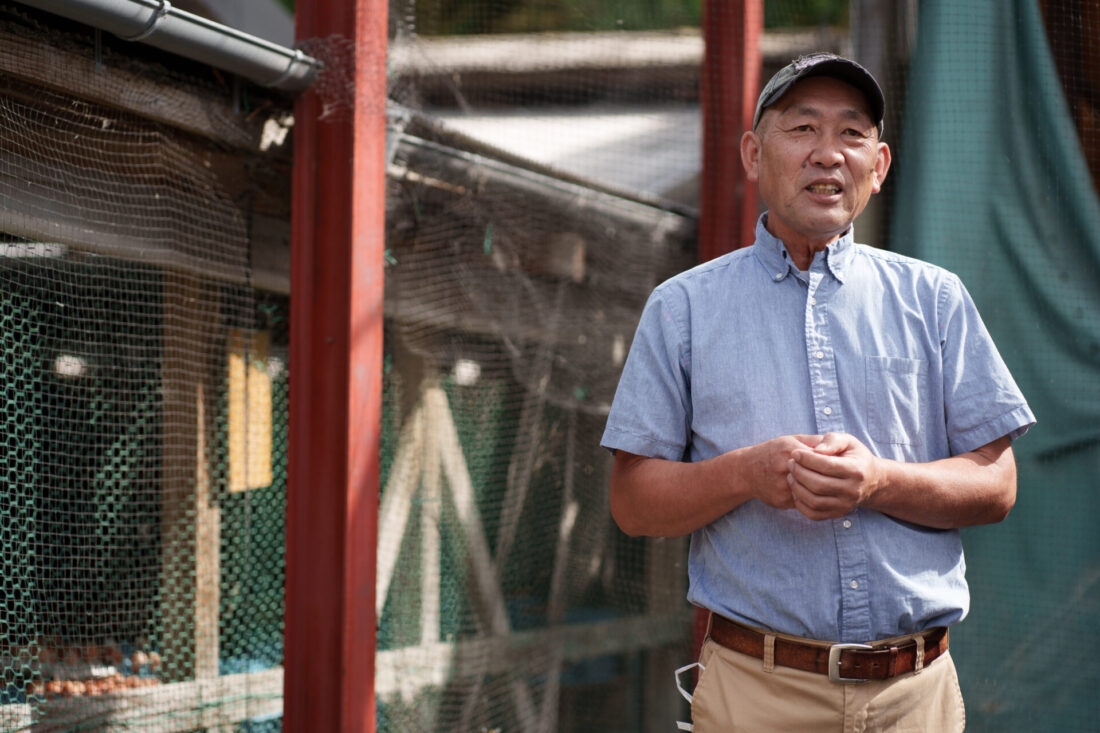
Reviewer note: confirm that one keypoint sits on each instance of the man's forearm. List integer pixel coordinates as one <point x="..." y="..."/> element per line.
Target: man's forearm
<point x="840" y="474"/>
<point x="661" y="498"/>
<point x="969" y="489"/>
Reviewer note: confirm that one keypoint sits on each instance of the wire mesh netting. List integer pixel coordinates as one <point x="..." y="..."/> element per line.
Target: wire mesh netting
<point x="511" y="304"/>
<point x="544" y="177"/>
<point x="543" y="165"/>
<point x="145" y="398"/>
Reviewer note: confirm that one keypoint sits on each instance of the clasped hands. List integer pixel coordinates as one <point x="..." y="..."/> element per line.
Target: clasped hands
<point x="823" y="477"/>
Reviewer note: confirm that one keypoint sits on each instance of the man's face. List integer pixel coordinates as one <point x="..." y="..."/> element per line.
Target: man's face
<point x="816" y="159"/>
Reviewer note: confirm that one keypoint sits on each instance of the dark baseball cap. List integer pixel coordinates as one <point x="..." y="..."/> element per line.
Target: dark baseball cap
<point x="822" y="64"/>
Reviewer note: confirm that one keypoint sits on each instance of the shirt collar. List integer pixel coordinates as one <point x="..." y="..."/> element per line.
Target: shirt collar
<point x="772" y="253"/>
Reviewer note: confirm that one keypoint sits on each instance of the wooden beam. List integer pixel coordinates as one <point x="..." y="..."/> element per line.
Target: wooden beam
<point x="337" y="244"/>
<point x="54" y="191"/>
<point x="403" y="673"/>
<point x="112" y="83"/>
<point x="190" y="519"/>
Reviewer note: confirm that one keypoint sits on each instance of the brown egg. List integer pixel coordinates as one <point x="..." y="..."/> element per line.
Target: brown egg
<point x="68" y="688"/>
<point x="133" y="681"/>
<point x="53" y="687"/>
<point x="36" y="688"/>
<point x="154" y="660"/>
<point x="139" y="659"/>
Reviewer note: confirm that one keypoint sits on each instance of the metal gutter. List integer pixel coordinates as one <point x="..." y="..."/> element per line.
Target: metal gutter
<point x="158" y="24"/>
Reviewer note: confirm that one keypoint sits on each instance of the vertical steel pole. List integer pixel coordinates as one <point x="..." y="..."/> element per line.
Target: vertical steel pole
<point x="730" y="84"/>
<point x="337" y="243"/>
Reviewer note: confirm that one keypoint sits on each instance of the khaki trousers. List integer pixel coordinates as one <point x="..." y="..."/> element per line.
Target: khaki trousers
<point x="736" y="694"/>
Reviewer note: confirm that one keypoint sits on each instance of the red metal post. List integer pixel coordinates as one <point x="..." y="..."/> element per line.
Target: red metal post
<point x="337" y="246"/>
<point x="730" y="85"/>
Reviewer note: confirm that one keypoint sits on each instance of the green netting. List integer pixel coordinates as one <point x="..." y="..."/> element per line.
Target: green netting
<point x="143" y="481"/>
<point x="253" y="522"/>
<point x="995" y="184"/>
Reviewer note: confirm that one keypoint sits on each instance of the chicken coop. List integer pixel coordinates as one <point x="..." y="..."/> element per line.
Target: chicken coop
<point x="307" y="345"/>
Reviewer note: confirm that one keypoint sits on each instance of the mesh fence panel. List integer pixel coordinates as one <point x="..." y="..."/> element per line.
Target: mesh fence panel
<point x="519" y="260"/>
<point x="997" y="181"/>
<point x="543" y="179"/>
<point x="543" y="170"/>
<point x="613" y="107"/>
<point x="145" y="400"/>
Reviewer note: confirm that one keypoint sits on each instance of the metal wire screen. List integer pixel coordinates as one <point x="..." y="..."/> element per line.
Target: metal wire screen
<point x="543" y="177"/>
<point x="145" y="400"/>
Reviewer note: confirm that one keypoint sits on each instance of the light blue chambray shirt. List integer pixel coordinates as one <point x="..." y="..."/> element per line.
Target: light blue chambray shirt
<point x="746" y="348"/>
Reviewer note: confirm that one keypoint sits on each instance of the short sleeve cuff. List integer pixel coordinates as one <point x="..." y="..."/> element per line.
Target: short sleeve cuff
<point x="1013" y="423"/>
<point x="615" y="439"/>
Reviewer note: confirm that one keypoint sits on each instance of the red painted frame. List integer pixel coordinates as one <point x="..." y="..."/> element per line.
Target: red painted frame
<point x="337" y="245"/>
<point x="730" y="85"/>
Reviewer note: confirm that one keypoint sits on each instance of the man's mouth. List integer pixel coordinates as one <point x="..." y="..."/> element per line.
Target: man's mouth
<point x="827" y="189"/>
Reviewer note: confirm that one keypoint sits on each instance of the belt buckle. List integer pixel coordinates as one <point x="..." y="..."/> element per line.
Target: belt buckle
<point x="834" y="662"/>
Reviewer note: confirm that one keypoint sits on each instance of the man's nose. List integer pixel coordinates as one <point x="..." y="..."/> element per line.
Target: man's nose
<point x="826" y="155"/>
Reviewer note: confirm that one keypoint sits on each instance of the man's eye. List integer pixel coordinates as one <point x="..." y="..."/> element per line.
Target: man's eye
<point x="803" y="128"/>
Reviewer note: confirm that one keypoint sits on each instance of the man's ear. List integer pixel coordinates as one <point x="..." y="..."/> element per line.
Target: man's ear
<point x="882" y="166"/>
<point x="750" y="155"/>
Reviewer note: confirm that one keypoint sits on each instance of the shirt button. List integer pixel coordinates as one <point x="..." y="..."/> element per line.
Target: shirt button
<point x="847" y="524"/>
<point x="820" y="354"/>
<point x="828" y="411"/>
<point x="778" y="276"/>
<point x="813" y="301"/>
<point x="854" y="584"/>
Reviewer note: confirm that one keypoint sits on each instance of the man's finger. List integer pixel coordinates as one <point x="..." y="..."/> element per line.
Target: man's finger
<point x="816" y="506"/>
<point x="822" y="463"/>
<point x="813" y="482"/>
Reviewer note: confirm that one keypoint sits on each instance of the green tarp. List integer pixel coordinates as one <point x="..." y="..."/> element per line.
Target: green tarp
<point x="992" y="184"/>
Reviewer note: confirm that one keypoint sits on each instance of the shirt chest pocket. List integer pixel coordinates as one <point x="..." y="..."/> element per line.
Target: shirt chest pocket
<point x="895" y="395"/>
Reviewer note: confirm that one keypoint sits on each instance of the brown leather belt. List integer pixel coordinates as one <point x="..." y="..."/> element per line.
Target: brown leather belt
<point x="841" y="662"/>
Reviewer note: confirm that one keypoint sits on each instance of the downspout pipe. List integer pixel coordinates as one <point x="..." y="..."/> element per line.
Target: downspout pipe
<point x="158" y="24"/>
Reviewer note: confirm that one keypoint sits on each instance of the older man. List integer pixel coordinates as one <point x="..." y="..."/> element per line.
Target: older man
<point x="822" y="417"/>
